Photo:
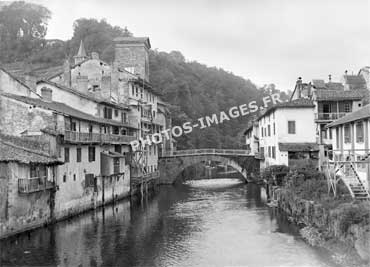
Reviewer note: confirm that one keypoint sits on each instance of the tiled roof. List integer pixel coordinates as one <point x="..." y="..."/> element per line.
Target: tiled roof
<point x="320" y="84"/>
<point x="87" y="96"/>
<point x="11" y="152"/>
<point x="362" y="113"/>
<point x="297" y="103"/>
<point x="326" y="94"/>
<point x="298" y="147"/>
<point x="355" y="81"/>
<point x="64" y="109"/>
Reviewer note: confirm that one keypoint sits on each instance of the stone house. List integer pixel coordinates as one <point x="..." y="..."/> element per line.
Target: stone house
<point x="27" y="184"/>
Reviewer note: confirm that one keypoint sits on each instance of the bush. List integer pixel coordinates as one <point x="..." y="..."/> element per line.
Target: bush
<point x="353" y="213"/>
<point x="275" y="174"/>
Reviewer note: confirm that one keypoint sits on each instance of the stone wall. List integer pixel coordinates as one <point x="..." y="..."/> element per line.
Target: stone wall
<point x="19" y="211"/>
<point x="326" y="221"/>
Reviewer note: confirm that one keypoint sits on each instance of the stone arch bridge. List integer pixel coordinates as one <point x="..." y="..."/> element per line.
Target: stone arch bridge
<point x="171" y="165"/>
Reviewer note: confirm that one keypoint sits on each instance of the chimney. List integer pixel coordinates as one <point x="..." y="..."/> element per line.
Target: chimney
<point x="30" y="81"/>
<point x="82" y="84"/>
<point x="106" y="87"/>
<point x="346" y="72"/>
<point x="133" y="53"/>
<point x="299" y="86"/>
<point x="47" y="94"/>
<point x="95" y="55"/>
<point x="330" y="78"/>
<point x="67" y="73"/>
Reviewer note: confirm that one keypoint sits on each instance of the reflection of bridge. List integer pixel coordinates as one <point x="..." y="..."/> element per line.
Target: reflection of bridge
<point x="172" y="164"/>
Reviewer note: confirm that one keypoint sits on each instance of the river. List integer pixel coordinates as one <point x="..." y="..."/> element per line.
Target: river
<point x="219" y="222"/>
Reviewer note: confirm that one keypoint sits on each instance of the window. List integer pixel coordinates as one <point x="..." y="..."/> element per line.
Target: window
<point x="37" y="170"/>
<point x="274" y="127"/>
<point x="133" y="90"/>
<point x="337" y="137"/>
<point x="291" y="127"/>
<point x="137" y="92"/>
<point x="115" y="130"/>
<point x="269" y="130"/>
<point x="274" y="152"/>
<point x="73" y="126"/>
<point x="74" y="177"/>
<point x="89" y="180"/>
<point x="347" y="107"/>
<point x="66" y="154"/>
<point x="116" y="112"/>
<point x="64" y="178"/>
<point x="269" y="152"/>
<point x="116" y="165"/>
<point x="107" y="113"/>
<point x="91" y="153"/>
<point x="347" y="133"/>
<point x="78" y="154"/>
<point x="124" y="117"/>
<point x="359" y="132"/>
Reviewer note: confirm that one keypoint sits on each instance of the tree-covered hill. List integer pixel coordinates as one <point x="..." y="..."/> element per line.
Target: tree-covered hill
<point x="193" y="90"/>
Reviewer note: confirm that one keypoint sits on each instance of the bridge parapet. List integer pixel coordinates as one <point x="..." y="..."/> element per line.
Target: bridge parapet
<point x="207" y="151"/>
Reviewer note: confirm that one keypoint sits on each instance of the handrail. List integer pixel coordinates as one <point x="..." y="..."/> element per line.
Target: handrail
<point x="73" y="136"/>
<point x="35" y="184"/>
<point x="329" y="115"/>
<point x="207" y="151"/>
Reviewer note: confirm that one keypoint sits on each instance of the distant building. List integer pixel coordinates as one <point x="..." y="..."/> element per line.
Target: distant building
<point x="252" y="138"/>
<point x="286" y="135"/>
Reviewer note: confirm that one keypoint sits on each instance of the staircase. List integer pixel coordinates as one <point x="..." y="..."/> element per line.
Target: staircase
<point x="353" y="182"/>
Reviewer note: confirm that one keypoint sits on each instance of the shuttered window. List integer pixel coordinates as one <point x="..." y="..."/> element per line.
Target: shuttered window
<point x="359" y="132"/>
<point x="291" y="127"/>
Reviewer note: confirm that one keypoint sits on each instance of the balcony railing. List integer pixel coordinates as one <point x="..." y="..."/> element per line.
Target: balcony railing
<point x="79" y="137"/>
<point x="329" y="116"/>
<point x="30" y="185"/>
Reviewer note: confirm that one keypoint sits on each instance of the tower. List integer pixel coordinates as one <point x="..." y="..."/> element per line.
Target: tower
<point x="81" y="55"/>
<point x="132" y="54"/>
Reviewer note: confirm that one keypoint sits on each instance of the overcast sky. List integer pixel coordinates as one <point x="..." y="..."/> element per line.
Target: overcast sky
<point x="266" y="41"/>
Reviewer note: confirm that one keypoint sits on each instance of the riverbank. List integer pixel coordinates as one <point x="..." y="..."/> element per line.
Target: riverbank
<point x="340" y="225"/>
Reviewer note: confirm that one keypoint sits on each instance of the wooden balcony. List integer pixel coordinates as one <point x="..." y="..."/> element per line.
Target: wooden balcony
<point x="31" y="185"/>
<point x="79" y="137"/>
<point x="329" y="116"/>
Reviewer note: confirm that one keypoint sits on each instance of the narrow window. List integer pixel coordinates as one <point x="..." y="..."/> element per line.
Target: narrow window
<point x="359" y="132"/>
<point x="347" y="107"/>
<point x="116" y="112"/>
<point x="91" y="154"/>
<point x="347" y="133"/>
<point x="269" y="130"/>
<point x="66" y="154"/>
<point x="74" y="177"/>
<point x="291" y="127"/>
<point x="274" y="128"/>
<point x="64" y="178"/>
<point x="78" y="151"/>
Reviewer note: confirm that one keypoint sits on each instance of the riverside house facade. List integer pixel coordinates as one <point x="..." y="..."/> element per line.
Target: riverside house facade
<point x="351" y="141"/>
<point x="332" y="100"/>
<point x="287" y="135"/>
<point x="88" y="112"/>
<point x="27" y="179"/>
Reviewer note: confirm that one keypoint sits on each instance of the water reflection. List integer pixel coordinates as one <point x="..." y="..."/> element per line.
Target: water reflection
<point x="201" y="223"/>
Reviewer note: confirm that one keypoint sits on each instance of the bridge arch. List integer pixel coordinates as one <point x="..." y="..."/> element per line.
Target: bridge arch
<point x="171" y="166"/>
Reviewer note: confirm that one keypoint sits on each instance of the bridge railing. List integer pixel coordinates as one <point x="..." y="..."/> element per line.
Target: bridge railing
<point x="207" y="151"/>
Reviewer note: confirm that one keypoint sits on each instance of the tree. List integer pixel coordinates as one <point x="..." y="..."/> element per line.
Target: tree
<point x="23" y="27"/>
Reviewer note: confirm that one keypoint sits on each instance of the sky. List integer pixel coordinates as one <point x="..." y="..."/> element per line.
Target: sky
<point x="266" y="41"/>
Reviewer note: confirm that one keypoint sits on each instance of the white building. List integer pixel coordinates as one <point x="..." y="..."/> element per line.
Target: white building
<point x="351" y="139"/>
<point x="287" y="135"/>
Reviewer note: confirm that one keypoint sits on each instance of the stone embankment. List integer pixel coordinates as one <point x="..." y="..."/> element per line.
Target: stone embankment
<point x="337" y="229"/>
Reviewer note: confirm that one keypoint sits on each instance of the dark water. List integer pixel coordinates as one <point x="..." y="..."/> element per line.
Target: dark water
<point x="205" y="223"/>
